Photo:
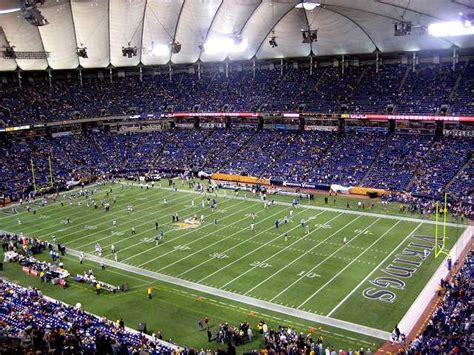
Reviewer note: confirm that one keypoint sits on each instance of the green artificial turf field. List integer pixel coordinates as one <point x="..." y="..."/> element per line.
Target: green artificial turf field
<point x="310" y="270"/>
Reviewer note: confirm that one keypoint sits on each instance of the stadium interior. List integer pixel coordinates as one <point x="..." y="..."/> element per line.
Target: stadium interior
<point x="315" y="158"/>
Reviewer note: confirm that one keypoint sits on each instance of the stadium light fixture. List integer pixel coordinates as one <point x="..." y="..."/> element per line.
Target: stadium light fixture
<point x="129" y="51"/>
<point x="82" y="52"/>
<point x="175" y="47"/>
<point x="451" y="28"/>
<point x="32" y="14"/>
<point x="309" y="36"/>
<point x="273" y="42"/>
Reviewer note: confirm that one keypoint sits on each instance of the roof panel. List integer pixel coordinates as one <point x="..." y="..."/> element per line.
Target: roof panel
<point x="91" y="22"/>
<point x="264" y="18"/>
<point x="194" y="22"/>
<point x="229" y="20"/>
<point x="160" y="24"/>
<point x="288" y="37"/>
<point x="344" y="27"/>
<point x="6" y="64"/>
<point x="339" y="34"/>
<point x="59" y="37"/>
<point x="24" y="37"/>
<point x="126" y="17"/>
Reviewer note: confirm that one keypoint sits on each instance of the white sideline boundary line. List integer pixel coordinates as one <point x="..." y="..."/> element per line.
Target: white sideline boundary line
<point x="374" y="270"/>
<point x="416" y="310"/>
<point x="352" y="327"/>
<point x="329" y="209"/>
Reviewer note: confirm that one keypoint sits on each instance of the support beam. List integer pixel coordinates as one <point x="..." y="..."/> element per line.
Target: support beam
<point x="377" y="61"/>
<point x="108" y="32"/>
<point x="74" y="30"/>
<point x="253" y="67"/>
<point x="140" y="47"/>
<point x="455" y="58"/>
<point x="19" y="78"/>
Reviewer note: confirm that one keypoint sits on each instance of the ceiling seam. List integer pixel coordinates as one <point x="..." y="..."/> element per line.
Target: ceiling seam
<point x="176" y="27"/>
<point x="141" y="33"/>
<point x="272" y="28"/>
<point x="74" y="30"/>
<point x="209" y="28"/>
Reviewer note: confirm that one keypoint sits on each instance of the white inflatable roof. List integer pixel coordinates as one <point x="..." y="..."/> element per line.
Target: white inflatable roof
<point x="105" y="26"/>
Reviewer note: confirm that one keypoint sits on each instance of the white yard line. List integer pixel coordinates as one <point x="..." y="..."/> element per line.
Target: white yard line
<point x="323" y="261"/>
<point x="183" y="235"/>
<point x="352" y="327"/>
<point x="142" y="216"/>
<point x="225" y="251"/>
<point x="16" y="204"/>
<point x="167" y="240"/>
<point x="108" y="221"/>
<point x="262" y="246"/>
<point x="301" y="256"/>
<point x="347" y="266"/>
<point x="374" y="270"/>
<point x="340" y="210"/>
<point x="87" y="219"/>
<point x="76" y="211"/>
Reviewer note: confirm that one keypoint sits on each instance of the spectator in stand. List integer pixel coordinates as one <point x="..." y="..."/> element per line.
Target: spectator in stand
<point x="449" y="330"/>
<point x="47" y="326"/>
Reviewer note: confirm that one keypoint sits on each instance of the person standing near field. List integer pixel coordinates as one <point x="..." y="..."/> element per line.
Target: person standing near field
<point x="150" y="292"/>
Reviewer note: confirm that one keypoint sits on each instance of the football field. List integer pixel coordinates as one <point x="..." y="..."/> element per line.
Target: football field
<point x="328" y="261"/>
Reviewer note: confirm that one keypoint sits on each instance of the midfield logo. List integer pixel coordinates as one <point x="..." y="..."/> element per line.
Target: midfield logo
<point x="218" y="256"/>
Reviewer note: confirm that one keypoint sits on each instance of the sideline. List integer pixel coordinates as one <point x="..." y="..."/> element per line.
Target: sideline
<point x="329" y="209"/>
<point x="352" y="327"/>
